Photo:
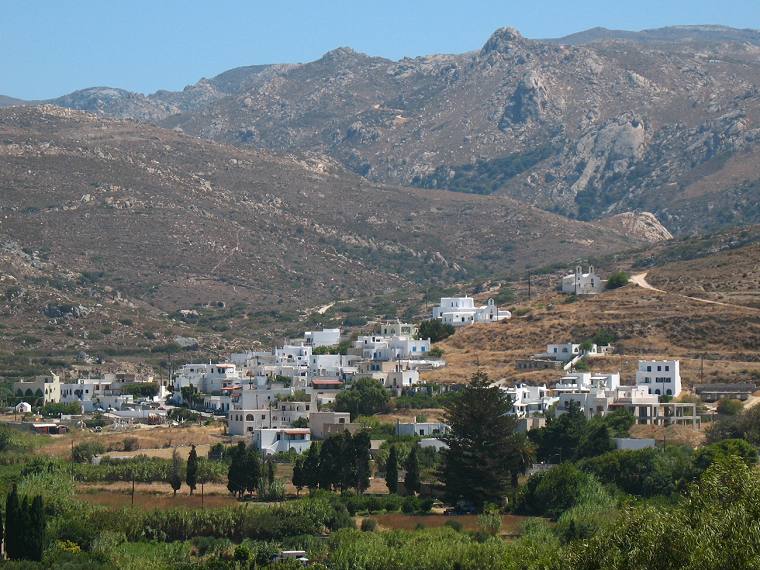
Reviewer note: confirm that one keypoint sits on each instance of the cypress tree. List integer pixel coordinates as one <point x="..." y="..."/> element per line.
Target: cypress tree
<point x="192" y="469"/>
<point x="36" y="531"/>
<point x="311" y="467"/>
<point x="330" y="463"/>
<point x="270" y="472"/>
<point x="12" y="524"/>
<point x="361" y="446"/>
<point x="252" y="470"/>
<point x="299" y="475"/>
<point x="391" y="470"/>
<point x="236" y="471"/>
<point x="23" y="541"/>
<point x="412" y="475"/>
<point x="175" y="478"/>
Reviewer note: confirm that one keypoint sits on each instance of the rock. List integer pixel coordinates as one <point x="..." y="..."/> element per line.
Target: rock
<point x="58" y="311"/>
<point x="640" y="225"/>
<point x="528" y="103"/>
<point x="186" y="341"/>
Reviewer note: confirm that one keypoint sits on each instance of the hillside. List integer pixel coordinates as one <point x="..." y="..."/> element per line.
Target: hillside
<point x="648" y="323"/>
<point x="599" y="123"/>
<point x="245" y="242"/>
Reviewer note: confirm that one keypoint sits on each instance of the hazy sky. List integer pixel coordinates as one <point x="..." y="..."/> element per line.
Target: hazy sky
<point x="53" y="47"/>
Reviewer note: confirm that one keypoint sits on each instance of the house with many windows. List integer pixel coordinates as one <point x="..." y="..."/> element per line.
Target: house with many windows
<point x="660" y="377"/>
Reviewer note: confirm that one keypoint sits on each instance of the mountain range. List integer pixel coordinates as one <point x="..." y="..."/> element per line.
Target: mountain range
<point x="593" y="124"/>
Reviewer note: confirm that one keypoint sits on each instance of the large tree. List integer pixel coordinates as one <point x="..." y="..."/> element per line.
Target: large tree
<point x="366" y="397"/>
<point x="299" y="478"/>
<point x="191" y="475"/>
<point x="12" y="524"/>
<point x="311" y="467"/>
<point x="236" y="470"/>
<point x="477" y="463"/>
<point x="412" y="483"/>
<point x="175" y="477"/>
<point x="391" y="470"/>
<point x="361" y="457"/>
<point x="36" y="530"/>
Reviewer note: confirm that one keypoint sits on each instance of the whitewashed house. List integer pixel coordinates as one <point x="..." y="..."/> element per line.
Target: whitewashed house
<point x="580" y="283"/>
<point x="325" y="337"/>
<point x="207" y="378"/>
<point x="462" y="311"/>
<point x="661" y="377"/>
<point x="93" y="394"/>
<point x="399" y="329"/>
<point x="318" y="422"/>
<point x="422" y="429"/>
<point x="529" y="400"/>
<point x="23" y="408"/>
<point x="281" y="440"/>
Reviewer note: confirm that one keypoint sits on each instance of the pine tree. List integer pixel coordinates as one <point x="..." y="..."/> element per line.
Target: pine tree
<point x="479" y="458"/>
<point x="311" y="467"/>
<point x="12" y="524"/>
<point x="36" y="530"/>
<point x="192" y="469"/>
<point x="175" y="478"/>
<point x="412" y="476"/>
<point x="391" y="470"/>
<point x="299" y="475"/>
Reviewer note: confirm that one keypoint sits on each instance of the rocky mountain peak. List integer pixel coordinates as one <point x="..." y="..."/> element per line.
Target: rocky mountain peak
<point x="343" y="55"/>
<point x="503" y="40"/>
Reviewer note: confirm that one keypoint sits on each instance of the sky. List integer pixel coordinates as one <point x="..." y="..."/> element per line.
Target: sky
<point x="53" y="47"/>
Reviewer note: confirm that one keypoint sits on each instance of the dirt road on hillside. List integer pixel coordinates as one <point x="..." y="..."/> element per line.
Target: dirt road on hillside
<point x="640" y="279"/>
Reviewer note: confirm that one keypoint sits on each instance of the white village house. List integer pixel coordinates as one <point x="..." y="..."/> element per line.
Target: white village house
<point x="462" y="311"/>
<point x="661" y="377"/>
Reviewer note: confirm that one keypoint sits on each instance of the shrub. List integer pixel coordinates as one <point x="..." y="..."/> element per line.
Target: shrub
<point x="617" y="280"/>
<point x="131" y="444"/>
<point x="85" y="451"/>
<point x="456" y="525"/>
<point x="411" y="505"/>
<point x="369" y="525"/>
<point x="435" y="330"/>
<point x="729" y="407"/>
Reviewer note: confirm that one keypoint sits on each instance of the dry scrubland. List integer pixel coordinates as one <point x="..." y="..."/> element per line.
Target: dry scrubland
<point x="649" y="324"/>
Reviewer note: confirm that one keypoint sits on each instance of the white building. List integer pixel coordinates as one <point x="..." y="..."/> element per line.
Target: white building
<point x="401" y="378"/>
<point x="399" y="329"/>
<point x="422" y="429"/>
<point x="461" y="311"/>
<point x="563" y="352"/>
<point x="661" y="377"/>
<point x="245" y="422"/>
<point x="580" y="283"/>
<point x="45" y="388"/>
<point x="95" y="394"/>
<point x="325" y="337"/>
<point x="529" y="400"/>
<point x="23" y="408"/>
<point x="206" y="378"/>
<point x="281" y="440"/>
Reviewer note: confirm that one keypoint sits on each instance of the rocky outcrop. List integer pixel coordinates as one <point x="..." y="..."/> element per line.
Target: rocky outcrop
<point x="529" y="102"/>
<point x="640" y="225"/>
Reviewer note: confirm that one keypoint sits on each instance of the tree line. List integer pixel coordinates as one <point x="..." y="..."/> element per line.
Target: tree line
<point x="340" y="462"/>
<point x="24" y="533"/>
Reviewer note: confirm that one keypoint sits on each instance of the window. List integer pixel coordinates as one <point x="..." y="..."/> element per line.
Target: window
<point x="659" y="369"/>
<point x="249" y="418"/>
<point x="669" y="392"/>
<point x="649" y="368"/>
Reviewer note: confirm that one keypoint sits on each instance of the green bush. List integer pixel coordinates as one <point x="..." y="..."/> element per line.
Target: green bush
<point x="617" y="280"/>
<point x="85" y="451"/>
<point x="369" y="525"/>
